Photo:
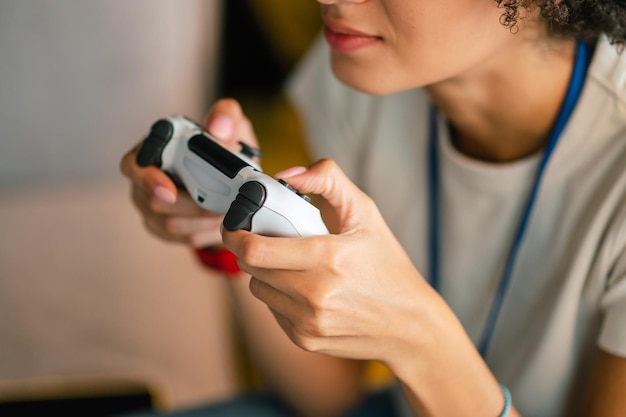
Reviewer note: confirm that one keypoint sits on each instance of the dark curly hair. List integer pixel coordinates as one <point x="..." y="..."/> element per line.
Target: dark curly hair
<point x="583" y="19"/>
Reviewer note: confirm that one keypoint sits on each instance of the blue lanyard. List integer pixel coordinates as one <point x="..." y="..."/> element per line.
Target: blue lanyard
<point x="573" y="92"/>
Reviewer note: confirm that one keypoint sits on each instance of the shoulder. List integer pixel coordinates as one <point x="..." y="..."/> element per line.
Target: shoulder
<point x="608" y="71"/>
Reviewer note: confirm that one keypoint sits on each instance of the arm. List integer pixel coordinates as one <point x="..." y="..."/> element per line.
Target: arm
<point x="356" y="294"/>
<point x="312" y="384"/>
<point x="606" y="391"/>
<point x="300" y="378"/>
<point x="607" y="387"/>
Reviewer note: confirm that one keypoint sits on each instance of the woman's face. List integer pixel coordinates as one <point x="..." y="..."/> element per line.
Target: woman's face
<point x="384" y="46"/>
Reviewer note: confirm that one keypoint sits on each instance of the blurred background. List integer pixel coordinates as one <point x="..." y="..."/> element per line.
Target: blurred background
<point x="98" y="317"/>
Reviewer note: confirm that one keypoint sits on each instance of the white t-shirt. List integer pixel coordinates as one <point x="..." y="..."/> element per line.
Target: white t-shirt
<point x="568" y="289"/>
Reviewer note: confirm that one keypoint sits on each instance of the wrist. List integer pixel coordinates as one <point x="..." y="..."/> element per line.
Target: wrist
<point x="506" y="409"/>
<point x="443" y="373"/>
<point x="462" y="397"/>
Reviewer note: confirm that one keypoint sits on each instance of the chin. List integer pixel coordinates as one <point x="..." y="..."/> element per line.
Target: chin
<point x="377" y="82"/>
<point x="364" y="84"/>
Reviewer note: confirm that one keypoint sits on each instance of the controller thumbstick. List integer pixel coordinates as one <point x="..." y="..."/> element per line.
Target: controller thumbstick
<point x="152" y="146"/>
<point x="249" y="200"/>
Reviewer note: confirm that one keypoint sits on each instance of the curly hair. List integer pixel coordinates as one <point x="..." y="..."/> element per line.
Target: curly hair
<point x="584" y="19"/>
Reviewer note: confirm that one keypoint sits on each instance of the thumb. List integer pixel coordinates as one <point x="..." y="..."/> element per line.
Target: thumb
<point x="327" y="179"/>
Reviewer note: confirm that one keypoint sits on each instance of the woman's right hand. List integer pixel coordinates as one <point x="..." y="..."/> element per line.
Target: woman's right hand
<point x="170" y="213"/>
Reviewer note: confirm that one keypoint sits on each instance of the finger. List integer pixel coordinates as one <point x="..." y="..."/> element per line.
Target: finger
<point x="294" y="254"/>
<point x="148" y="202"/>
<point x="227" y="122"/>
<point x="184" y="206"/>
<point x="274" y="291"/>
<point x="128" y="159"/>
<point x="282" y="306"/>
<point x="209" y="238"/>
<point x="154" y="224"/>
<point x="268" y="294"/>
<point x="151" y="179"/>
<point x="197" y="231"/>
<point x="328" y="180"/>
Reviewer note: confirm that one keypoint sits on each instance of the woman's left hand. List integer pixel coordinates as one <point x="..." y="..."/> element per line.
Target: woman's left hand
<point x="354" y="294"/>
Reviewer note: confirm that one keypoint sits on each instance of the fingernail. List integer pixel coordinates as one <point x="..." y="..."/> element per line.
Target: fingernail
<point x="290" y="172"/>
<point x="164" y="194"/>
<point x="221" y="126"/>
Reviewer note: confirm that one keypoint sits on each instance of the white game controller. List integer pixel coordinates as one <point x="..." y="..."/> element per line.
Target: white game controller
<point x="227" y="182"/>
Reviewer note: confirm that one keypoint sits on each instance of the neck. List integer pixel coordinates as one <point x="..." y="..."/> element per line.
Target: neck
<point x="504" y="109"/>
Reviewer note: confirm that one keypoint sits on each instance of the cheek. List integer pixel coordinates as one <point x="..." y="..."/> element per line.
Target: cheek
<point x="447" y="42"/>
<point x="424" y="48"/>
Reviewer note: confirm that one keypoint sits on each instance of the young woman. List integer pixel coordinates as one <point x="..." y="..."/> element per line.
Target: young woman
<point x="472" y="168"/>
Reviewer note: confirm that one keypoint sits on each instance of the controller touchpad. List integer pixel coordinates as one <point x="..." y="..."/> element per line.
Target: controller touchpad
<point x="210" y="184"/>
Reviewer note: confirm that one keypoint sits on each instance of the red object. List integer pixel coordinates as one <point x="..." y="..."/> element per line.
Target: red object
<point x="219" y="259"/>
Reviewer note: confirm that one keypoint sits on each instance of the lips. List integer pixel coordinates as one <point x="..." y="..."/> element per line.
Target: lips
<point x="345" y="39"/>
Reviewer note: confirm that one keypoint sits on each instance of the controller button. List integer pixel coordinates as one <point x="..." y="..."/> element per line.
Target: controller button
<point x="249" y="200"/>
<point x="152" y="147"/>
<point x="286" y="184"/>
<point x="216" y="155"/>
<point x="298" y="193"/>
<point x="250" y="151"/>
<point x="304" y="197"/>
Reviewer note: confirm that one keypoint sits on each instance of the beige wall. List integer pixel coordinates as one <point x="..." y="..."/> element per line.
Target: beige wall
<point x="81" y="80"/>
<point x="85" y="291"/>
